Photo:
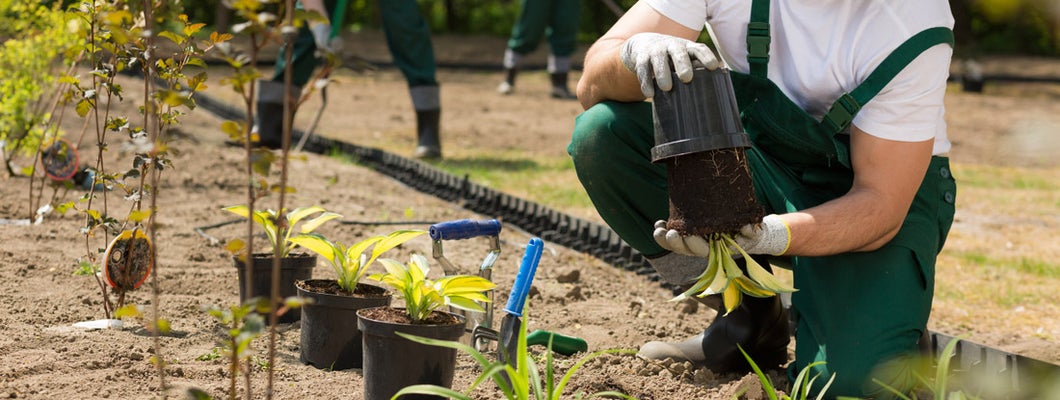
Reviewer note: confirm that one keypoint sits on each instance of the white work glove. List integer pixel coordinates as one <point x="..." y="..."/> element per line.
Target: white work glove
<point x="772" y="237"/>
<point x="651" y="54"/>
<point x="322" y="36"/>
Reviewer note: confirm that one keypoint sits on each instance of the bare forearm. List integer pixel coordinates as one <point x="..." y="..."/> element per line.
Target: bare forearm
<point x="604" y="76"/>
<point x="887" y="175"/>
<point x="855" y="222"/>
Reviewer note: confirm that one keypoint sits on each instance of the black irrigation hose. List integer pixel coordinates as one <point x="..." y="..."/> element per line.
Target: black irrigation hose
<point x="601" y="242"/>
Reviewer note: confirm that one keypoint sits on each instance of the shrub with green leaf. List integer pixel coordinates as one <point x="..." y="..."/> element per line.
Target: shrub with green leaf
<point x="422" y="295"/>
<point x="279" y="230"/>
<point x="351" y="263"/>
<point x="34" y="38"/>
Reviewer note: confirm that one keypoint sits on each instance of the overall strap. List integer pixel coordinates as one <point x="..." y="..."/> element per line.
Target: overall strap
<point x="844" y="108"/>
<point x="758" y="38"/>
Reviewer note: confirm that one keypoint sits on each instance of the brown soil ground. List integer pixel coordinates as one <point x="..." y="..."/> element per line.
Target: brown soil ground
<point x="43" y="357"/>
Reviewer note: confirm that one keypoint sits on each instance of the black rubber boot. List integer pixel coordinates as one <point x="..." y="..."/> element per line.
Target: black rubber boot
<point x="429" y="146"/>
<point x="269" y="113"/>
<point x="508" y="86"/>
<point x="559" y="86"/>
<point x="759" y="325"/>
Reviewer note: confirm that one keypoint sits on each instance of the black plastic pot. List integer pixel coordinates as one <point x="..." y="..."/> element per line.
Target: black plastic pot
<point x="700" y="139"/>
<point x="697" y="116"/>
<point x="392" y="362"/>
<point x="330" y="337"/>
<point x="293" y="268"/>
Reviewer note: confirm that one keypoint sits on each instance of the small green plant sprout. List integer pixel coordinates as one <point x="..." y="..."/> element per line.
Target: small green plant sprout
<point x="279" y="227"/>
<point x="351" y="263"/>
<point x="519" y="382"/>
<point x="422" y="295"/>
<point x="725" y="277"/>
<point x="800" y="389"/>
<point x="242" y="325"/>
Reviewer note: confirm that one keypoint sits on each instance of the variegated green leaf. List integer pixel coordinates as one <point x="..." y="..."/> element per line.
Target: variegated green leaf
<point x="315" y="223"/>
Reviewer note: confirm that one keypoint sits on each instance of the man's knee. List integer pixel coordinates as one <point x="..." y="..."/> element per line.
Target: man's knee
<point x="609" y="124"/>
<point x="589" y="127"/>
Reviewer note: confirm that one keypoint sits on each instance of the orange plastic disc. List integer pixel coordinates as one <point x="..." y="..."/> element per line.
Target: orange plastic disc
<point x="59" y="159"/>
<point x="127" y="262"/>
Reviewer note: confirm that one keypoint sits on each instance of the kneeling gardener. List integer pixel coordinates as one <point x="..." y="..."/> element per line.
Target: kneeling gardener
<point x="843" y="102"/>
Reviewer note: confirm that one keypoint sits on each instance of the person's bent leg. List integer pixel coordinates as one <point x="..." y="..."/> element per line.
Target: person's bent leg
<point x="611" y="149"/>
<point x="526" y="35"/>
<point x="564" y="19"/>
<point x="857" y="311"/>
<point x="409" y="41"/>
<point x="863" y="314"/>
<point x="268" y="113"/>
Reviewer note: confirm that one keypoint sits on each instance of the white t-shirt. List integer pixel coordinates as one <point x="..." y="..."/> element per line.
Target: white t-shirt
<point x="820" y="49"/>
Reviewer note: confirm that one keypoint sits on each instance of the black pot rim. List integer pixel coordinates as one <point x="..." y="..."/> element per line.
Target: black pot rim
<point x="340" y="301"/>
<point x="370" y="326"/>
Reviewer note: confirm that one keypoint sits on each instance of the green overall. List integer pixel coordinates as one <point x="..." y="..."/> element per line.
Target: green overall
<point x="861" y="313"/>
<point x="407" y="37"/>
<point x="557" y="18"/>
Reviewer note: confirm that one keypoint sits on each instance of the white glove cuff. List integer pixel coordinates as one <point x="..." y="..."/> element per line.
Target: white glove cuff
<point x="774" y="238"/>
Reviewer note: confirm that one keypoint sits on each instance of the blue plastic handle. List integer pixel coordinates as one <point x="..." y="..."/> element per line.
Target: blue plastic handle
<point x="465" y="229"/>
<point x="521" y="287"/>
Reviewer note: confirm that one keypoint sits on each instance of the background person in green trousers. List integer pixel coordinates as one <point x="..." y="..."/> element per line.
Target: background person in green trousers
<point x="409" y="41"/>
<point x="843" y="102"/>
<point x="556" y="19"/>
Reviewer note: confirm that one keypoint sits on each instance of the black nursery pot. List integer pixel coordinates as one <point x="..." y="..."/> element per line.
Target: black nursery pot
<point x="700" y="139"/>
<point x="330" y="338"/>
<point x="293" y="268"/>
<point x="392" y="362"/>
<point x="697" y="116"/>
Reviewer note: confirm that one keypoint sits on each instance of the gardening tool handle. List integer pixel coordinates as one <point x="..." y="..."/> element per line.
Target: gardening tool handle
<point x="562" y="344"/>
<point x="465" y="229"/>
<point x="527" y="268"/>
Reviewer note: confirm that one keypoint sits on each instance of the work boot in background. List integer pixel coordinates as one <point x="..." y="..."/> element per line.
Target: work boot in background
<point x="558" y="67"/>
<point x="511" y="63"/>
<point x="426" y="101"/>
<point x="269" y="112"/>
<point x="759" y="325"/>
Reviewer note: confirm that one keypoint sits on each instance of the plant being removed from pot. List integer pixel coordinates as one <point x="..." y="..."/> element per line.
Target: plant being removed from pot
<point x="350" y="263"/>
<point x="724" y="276"/>
<point x="279" y="232"/>
<point x="422" y="295"/>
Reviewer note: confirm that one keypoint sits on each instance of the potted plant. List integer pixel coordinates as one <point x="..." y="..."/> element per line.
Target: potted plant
<point x="392" y="362"/>
<point x="256" y="281"/>
<point x="330" y="338"/>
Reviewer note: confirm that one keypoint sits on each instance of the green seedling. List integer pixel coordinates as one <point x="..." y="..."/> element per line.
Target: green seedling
<point x="351" y="263"/>
<point x="520" y="382"/>
<point x="242" y="325"/>
<point x="801" y="387"/>
<point x="214" y="354"/>
<point x="279" y="231"/>
<point x="422" y="295"/>
<point x="725" y="277"/>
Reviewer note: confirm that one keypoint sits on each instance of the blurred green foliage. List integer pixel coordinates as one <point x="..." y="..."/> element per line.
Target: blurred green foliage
<point x="1030" y="27"/>
<point x="32" y="39"/>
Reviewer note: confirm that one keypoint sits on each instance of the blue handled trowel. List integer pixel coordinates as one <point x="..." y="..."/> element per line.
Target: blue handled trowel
<point x="512" y="322"/>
